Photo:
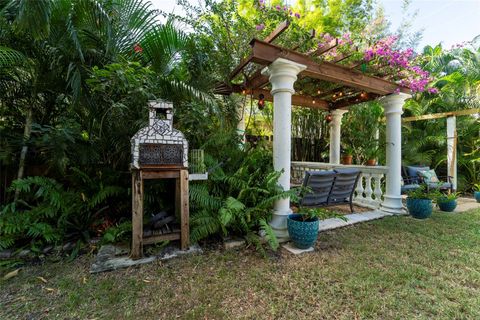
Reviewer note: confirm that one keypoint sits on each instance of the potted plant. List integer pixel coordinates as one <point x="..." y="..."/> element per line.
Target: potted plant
<point x="347" y="156"/>
<point x="303" y="225"/>
<point x="371" y="154"/>
<point x="447" y="202"/>
<point x="476" y="191"/>
<point x="419" y="202"/>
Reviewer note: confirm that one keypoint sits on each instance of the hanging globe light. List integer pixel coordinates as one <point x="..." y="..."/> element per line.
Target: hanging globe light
<point x="261" y="101"/>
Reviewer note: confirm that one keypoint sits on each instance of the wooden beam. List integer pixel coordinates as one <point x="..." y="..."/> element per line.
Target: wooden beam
<point x="257" y="82"/>
<point x="311" y="36"/>
<point x="297" y="100"/>
<point x="240" y="67"/>
<point x="278" y="31"/>
<point x="442" y="115"/>
<point x="356" y="99"/>
<point x="323" y="49"/>
<point x="329" y="92"/>
<point x="266" y="53"/>
<point x="344" y="56"/>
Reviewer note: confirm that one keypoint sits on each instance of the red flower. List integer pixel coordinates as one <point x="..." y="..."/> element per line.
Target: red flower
<point x="137" y="48"/>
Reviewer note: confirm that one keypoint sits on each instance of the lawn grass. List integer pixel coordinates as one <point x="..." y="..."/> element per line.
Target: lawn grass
<point x="394" y="268"/>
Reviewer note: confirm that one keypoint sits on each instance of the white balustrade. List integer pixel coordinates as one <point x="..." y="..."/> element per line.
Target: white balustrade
<point x="370" y="186"/>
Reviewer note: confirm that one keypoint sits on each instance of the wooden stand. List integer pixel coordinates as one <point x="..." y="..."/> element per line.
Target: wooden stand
<point x="182" y="208"/>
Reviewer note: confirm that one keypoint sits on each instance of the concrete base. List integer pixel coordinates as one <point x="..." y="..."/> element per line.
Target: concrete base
<point x="334" y="223"/>
<point x="290" y="247"/>
<point x="393" y="205"/>
<point x="111" y="257"/>
<point x="279" y="224"/>
<point x="393" y="211"/>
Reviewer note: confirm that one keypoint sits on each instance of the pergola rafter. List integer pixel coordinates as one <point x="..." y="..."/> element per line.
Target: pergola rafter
<point x="360" y="86"/>
<point x="289" y="77"/>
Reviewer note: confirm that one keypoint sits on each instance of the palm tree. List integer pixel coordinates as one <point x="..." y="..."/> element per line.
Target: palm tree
<point x="457" y="77"/>
<point x="51" y="47"/>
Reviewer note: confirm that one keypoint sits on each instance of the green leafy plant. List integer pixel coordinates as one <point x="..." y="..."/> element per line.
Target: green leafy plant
<point x="423" y="192"/>
<point x="118" y="233"/>
<point x="319" y="213"/>
<point x="476" y="187"/>
<point x="239" y="203"/>
<point x="441" y="198"/>
<point x="348" y="150"/>
<point x="47" y="212"/>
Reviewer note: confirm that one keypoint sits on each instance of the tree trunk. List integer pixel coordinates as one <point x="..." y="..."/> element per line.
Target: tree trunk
<point x="23" y="154"/>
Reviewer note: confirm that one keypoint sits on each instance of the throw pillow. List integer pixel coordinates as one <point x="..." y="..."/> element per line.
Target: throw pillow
<point x="429" y="176"/>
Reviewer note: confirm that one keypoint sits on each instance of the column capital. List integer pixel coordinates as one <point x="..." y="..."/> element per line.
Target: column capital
<point x="337" y="115"/>
<point x="282" y="74"/>
<point x="393" y="103"/>
<point x="338" y="112"/>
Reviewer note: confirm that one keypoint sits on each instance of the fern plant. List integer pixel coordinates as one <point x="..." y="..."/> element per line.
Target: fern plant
<point x="240" y="202"/>
<point x="47" y="212"/>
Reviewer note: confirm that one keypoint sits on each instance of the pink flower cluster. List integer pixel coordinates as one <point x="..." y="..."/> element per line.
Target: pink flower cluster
<point x="343" y="42"/>
<point x="262" y="6"/>
<point x="260" y="27"/>
<point x="417" y="79"/>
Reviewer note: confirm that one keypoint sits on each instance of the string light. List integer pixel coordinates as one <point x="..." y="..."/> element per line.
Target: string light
<point x="261" y="101"/>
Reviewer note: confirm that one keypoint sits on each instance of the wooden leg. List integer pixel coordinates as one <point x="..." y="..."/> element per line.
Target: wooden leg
<point x="137" y="215"/>
<point x="178" y="199"/>
<point x="184" y="210"/>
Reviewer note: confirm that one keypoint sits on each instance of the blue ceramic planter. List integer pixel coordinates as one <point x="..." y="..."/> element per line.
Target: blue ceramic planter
<point x="476" y="195"/>
<point x="419" y="208"/>
<point x="448" y="206"/>
<point x="302" y="233"/>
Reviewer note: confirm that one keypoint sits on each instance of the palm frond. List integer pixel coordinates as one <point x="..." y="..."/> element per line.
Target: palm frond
<point x="34" y="17"/>
<point x="10" y="57"/>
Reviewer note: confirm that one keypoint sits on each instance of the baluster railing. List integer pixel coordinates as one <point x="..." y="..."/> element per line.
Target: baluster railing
<point x="369" y="189"/>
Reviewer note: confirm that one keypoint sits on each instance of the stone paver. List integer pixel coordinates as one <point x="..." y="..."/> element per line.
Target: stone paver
<point x="290" y="247"/>
<point x="353" y="218"/>
<point x="466" y="204"/>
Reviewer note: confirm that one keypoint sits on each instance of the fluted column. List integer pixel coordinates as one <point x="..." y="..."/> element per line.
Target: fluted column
<point x="282" y="75"/>
<point x="452" y="149"/>
<point x="393" y="104"/>
<point x="335" y="135"/>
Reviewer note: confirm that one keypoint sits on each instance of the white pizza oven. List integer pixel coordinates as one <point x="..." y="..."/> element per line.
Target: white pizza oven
<point x="159" y="144"/>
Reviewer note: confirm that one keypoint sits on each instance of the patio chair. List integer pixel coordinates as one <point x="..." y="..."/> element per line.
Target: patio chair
<point x="414" y="176"/>
<point x="344" y="187"/>
<point x="321" y="184"/>
<point x="330" y="188"/>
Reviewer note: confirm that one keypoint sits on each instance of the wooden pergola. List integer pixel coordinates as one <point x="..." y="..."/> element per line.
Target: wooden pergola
<point x="289" y="77"/>
<point x="347" y="84"/>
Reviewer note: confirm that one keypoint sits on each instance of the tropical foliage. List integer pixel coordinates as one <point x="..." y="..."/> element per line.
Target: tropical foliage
<point x="75" y="77"/>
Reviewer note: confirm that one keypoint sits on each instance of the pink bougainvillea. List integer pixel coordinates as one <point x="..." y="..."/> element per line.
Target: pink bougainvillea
<point x="286" y="8"/>
<point x="260" y="27"/>
<point x="137" y="48"/>
<point x="383" y="53"/>
<point x="417" y="79"/>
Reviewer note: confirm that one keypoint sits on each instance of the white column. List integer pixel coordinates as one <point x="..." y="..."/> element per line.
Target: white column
<point x="335" y="134"/>
<point x="282" y="75"/>
<point x="452" y="149"/>
<point x="392" y="200"/>
<point x="241" y="124"/>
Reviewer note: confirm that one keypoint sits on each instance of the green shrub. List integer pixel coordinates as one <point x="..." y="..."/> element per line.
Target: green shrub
<point x="48" y="212"/>
<point x="239" y="203"/>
